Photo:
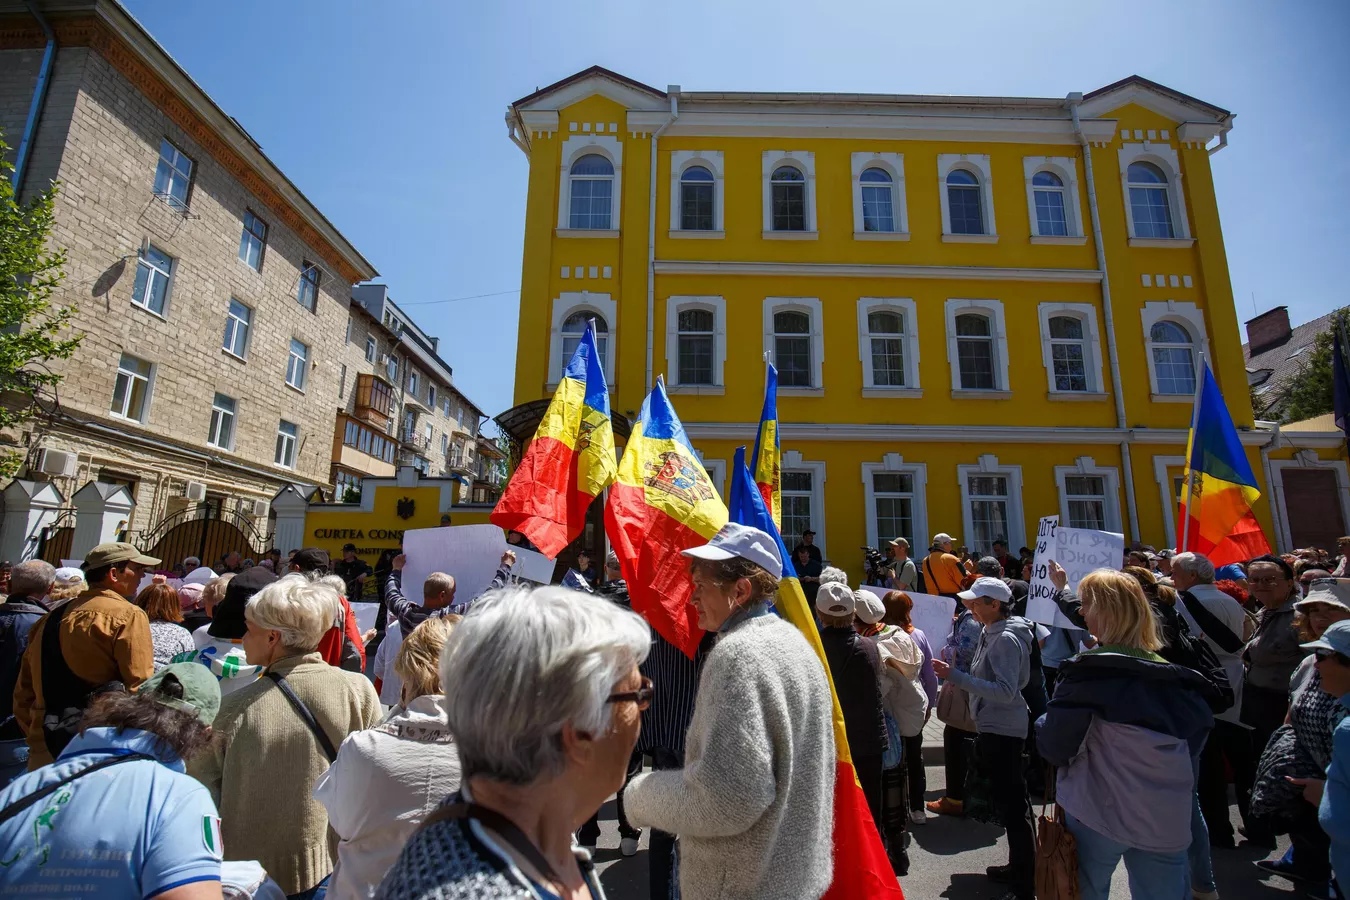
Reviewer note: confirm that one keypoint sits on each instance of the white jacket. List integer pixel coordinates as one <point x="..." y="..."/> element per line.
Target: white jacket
<point x="901" y="691"/>
<point x="384" y="782"/>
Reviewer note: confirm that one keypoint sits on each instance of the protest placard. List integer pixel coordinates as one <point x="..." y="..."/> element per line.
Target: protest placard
<point x="1041" y="593"/>
<point x="1079" y="551"/>
<point x="531" y="565"/>
<point x="471" y="553"/>
<point x="931" y="614"/>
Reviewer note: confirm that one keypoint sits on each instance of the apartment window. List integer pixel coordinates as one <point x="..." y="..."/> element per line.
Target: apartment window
<point x="1173" y="353"/>
<point x="893" y="506"/>
<point x="412" y="383"/>
<point x="887" y="343"/>
<point x="966" y="214"/>
<point x="371" y="349"/>
<point x="696" y="200"/>
<point x="886" y="337"/>
<point x="286" y="434"/>
<point x="431" y="396"/>
<point x="173" y="176"/>
<point x="788" y="187"/>
<point x="569" y="314"/>
<point x="792" y="348"/>
<point x="296" y="364"/>
<point x="459" y="416"/>
<point x="237" y="321"/>
<point x="392" y="368"/>
<point x="696" y="346"/>
<point x="428" y="435"/>
<point x="253" y="241"/>
<point x="797" y="494"/>
<point x="221" y="432"/>
<point x="154" y="270"/>
<point x="1150" y="205"/>
<point x="445" y="406"/>
<point x="877" y="200"/>
<point x="445" y="443"/>
<point x="574" y="328"/>
<point x="131" y="390"/>
<point x="987" y="496"/>
<point x="1048" y="192"/>
<point x="1068" y="353"/>
<point x="1086" y="499"/>
<point x="342" y="382"/>
<point x="348" y="338"/>
<point x="308" y="294"/>
<point x="348" y="486"/>
<point x="975" y="352"/>
<point x="592" y="184"/>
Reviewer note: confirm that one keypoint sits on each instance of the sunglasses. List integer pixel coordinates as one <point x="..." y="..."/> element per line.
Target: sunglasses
<point x="1323" y="655"/>
<point x="642" y="696"/>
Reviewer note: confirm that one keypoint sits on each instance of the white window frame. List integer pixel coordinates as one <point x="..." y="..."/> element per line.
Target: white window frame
<point x="247" y="238"/>
<point x="300" y="371"/>
<point x="792" y="461"/>
<point x="431" y="395"/>
<point x="810" y="306"/>
<point x="564" y="305"/>
<point x="1066" y="168"/>
<point x="804" y="160"/>
<point x="233" y="325"/>
<point x="1165" y="158"/>
<point x="908" y="312"/>
<point x="154" y="272"/>
<point x="1092" y="347"/>
<point x="988" y="464"/>
<point x="305" y="282"/>
<point x="994" y="310"/>
<point x="716" y="469"/>
<point x="148" y="378"/>
<point x="212" y="429"/>
<point x="176" y="175"/>
<point x="1188" y="316"/>
<point x="718" y="307"/>
<point x="573" y="149"/>
<point x="372" y="348"/>
<point x="978" y="164"/>
<point x="680" y="160"/>
<point x="894" y="464"/>
<point x="286" y="442"/>
<point x="1087" y="466"/>
<point x="894" y="165"/>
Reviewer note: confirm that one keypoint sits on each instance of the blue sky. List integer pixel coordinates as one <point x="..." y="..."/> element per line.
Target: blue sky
<point x="389" y="115"/>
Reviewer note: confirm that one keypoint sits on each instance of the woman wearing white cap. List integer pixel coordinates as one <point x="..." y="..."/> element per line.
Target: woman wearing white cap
<point x="753" y="805"/>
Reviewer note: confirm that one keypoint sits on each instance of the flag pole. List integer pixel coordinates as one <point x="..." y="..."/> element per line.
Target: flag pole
<point x="1190" y="447"/>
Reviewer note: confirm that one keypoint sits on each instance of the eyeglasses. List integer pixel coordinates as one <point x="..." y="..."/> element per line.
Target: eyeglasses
<point x="642" y="696"/>
<point x="1323" y="655"/>
<point x="1264" y="582"/>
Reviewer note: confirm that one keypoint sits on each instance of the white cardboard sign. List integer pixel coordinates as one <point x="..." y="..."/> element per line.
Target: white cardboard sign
<point x="1079" y="551"/>
<point x="531" y="565"/>
<point x="366" y="615"/>
<point x="471" y="553"/>
<point x="931" y="614"/>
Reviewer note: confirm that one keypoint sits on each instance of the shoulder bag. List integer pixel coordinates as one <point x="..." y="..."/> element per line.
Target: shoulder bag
<point x="303" y="712"/>
<point x="23" y="803"/>
<point x="1056" y="850"/>
<point x="953" y="703"/>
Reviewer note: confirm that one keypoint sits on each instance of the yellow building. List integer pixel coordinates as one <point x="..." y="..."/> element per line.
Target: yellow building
<point x="983" y="309"/>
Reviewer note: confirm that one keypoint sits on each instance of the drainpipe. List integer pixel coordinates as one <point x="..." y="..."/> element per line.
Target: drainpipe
<point x="39" y="100"/>
<point x="1272" y="444"/>
<point x="1072" y="102"/>
<point x="674" y="91"/>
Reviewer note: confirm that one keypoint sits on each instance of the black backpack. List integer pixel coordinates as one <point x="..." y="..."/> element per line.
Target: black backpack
<point x="1195" y="653"/>
<point x="65" y="696"/>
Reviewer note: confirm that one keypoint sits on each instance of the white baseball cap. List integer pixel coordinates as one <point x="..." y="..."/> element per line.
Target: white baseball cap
<point x="736" y="541"/>
<point x="835" y="599"/>
<point x="870" y="609"/>
<point x="989" y="589"/>
<point x="942" y="537"/>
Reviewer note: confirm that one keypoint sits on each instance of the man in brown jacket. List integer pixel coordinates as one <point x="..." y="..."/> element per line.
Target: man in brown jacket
<point x="103" y="638"/>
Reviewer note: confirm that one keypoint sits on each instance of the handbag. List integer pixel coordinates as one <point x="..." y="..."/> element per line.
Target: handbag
<point x="1056" y="850"/>
<point x="953" y="707"/>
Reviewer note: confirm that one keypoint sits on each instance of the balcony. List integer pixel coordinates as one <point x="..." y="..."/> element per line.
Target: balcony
<point x="410" y="437"/>
<point x="374" y="401"/>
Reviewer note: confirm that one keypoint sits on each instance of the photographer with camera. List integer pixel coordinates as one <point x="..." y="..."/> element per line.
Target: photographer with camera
<point x="904" y="573"/>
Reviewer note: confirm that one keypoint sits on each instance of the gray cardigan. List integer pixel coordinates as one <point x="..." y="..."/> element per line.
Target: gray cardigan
<point x="999" y="671"/>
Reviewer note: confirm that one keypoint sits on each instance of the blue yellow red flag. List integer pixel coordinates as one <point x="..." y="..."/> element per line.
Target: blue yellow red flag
<point x="662" y="502"/>
<point x="1219" y="492"/>
<point x="768" y="452"/>
<point x="861" y="868"/>
<point x="568" y="463"/>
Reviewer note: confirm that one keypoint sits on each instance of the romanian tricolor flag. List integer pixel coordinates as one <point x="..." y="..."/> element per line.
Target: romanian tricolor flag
<point x="1214" y="512"/>
<point x="861" y="868"/>
<point x="662" y="503"/>
<point x="569" y="462"/>
<point x="768" y="454"/>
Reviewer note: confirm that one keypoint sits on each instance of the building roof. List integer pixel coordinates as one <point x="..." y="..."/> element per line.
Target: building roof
<point x="599" y="71"/>
<point x="1269" y="371"/>
<point x="1324" y="422"/>
<point x="1140" y="81"/>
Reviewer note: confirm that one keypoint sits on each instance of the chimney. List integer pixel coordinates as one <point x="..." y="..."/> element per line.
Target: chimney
<point x="435" y="345"/>
<point x="1270" y="329"/>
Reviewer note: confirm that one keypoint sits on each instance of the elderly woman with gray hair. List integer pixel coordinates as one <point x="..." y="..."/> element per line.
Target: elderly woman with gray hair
<point x="276" y="736"/>
<point x="546" y="710"/>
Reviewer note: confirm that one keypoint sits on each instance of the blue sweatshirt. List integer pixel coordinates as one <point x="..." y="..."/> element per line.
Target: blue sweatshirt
<point x="1334" y="812"/>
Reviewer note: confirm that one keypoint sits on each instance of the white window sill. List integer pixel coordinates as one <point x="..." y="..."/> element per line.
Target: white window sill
<point x="881" y="235"/>
<point x="801" y="392"/>
<point x="966" y="394"/>
<point x="697" y="390"/>
<point x="970" y="239"/>
<point x="697" y="235"/>
<point x="218" y="447"/>
<point x="896" y="392"/>
<point x="161" y="316"/>
<point x="1085" y="396"/>
<point x="234" y="356"/>
<point x="1172" y="398"/>
<point x="1170" y="243"/>
<point x="243" y="262"/>
<point x="791" y="235"/>
<point x="300" y="391"/>
<point x="127" y="419"/>
<point x="586" y="232"/>
<point x="1072" y="240"/>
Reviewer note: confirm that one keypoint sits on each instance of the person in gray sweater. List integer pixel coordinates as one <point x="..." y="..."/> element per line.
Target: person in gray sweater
<point x="753" y="805"/>
<point x="999" y="671"/>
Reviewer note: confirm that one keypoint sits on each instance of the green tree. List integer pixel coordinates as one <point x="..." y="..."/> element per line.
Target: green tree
<point x="1308" y="393"/>
<point x="31" y="325"/>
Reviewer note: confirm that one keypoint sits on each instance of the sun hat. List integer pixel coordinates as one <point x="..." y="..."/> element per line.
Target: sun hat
<point x="736" y="541"/>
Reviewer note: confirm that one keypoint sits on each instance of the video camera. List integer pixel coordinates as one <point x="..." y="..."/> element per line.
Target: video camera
<point x="876" y="567"/>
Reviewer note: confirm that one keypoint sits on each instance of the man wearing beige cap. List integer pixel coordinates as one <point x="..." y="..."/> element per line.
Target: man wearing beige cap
<point x="103" y="640"/>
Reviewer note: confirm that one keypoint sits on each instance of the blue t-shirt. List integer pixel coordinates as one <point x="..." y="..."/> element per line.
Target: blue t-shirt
<point x="127" y="832"/>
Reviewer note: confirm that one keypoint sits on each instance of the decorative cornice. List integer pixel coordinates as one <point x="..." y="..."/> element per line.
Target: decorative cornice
<point x="863" y="270"/>
<point x="959" y="434"/>
<point x="96" y="34"/>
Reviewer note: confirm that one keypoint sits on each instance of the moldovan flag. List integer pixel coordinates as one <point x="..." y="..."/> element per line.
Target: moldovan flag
<point x="1214" y="512"/>
<point x="768" y="454"/>
<point x="861" y="868"/>
<point x="569" y="462"/>
<point x="661" y="503"/>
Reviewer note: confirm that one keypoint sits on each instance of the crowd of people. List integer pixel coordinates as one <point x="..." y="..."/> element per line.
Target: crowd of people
<point x="183" y="732"/>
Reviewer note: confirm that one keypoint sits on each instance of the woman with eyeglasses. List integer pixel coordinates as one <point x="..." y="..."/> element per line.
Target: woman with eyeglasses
<point x="545" y="709"/>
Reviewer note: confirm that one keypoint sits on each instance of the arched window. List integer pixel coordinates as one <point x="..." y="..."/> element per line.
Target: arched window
<point x="975" y="352"/>
<point x="1173" y="358"/>
<point x="1048" y="190"/>
<point x="792" y="348"/>
<point x="592" y="179"/>
<point x="886" y="334"/>
<point x="789" y="199"/>
<point x="1150" y="205"/>
<point x="877" y="200"/>
<point x="696" y="346"/>
<point x="574" y="328"/>
<point x="1068" y="353"/>
<point x="696" y="200"/>
<point x="963" y="202"/>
